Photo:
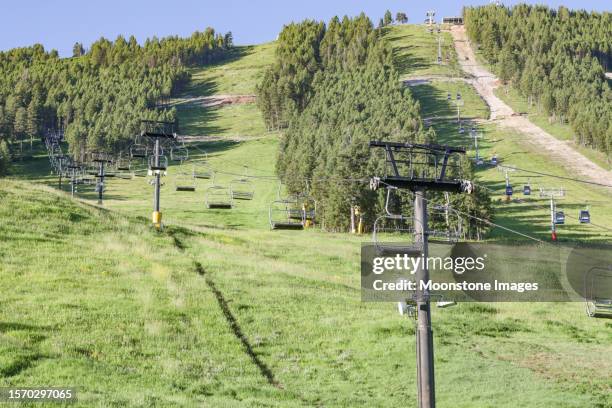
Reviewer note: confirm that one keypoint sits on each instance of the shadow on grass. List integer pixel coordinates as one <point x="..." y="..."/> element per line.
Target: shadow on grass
<point x="233" y="323"/>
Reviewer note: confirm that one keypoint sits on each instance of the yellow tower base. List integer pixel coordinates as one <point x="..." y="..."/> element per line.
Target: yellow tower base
<point x="157" y="217"/>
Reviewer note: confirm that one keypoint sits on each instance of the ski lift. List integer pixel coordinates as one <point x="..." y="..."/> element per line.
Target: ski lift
<point x="184" y="182"/>
<point x="597" y="292"/>
<point x="219" y="197"/>
<point x="138" y="150"/>
<point x="458" y="96"/>
<point x="162" y="165"/>
<point x="122" y="163"/>
<point x="396" y="230"/>
<point x="494" y="160"/>
<point x="445" y="225"/>
<point x="202" y="171"/>
<point x="585" y="217"/>
<point x="242" y="189"/>
<point x="461" y="129"/>
<point x="100" y="187"/>
<point x="559" y="218"/>
<point x="448" y="96"/>
<point x="527" y="190"/>
<point x="139" y="167"/>
<point x="479" y="161"/>
<point x="179" y="153"/>
<point x="509" y="191"/>
<point x="283" y="214"/>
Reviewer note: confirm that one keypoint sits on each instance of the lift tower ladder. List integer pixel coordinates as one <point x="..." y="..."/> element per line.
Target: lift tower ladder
<point x="422" y="167"/>
<point x="158" y="131"/>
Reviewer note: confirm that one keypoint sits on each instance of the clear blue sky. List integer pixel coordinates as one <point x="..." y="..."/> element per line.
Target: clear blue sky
<point x="59" y="23"/>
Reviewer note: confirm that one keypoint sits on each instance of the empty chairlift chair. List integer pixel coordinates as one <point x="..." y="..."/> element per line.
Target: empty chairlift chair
<point x="394" y="233"/>
<point x="285" y="214"/>
<point x="138" y="150"/>
<point x="202" y="171"/>
<point x="242" y="189"/>
<point x="184" y="182"/>
<point x="598" y="292"/>
<point x="219" y="197"/>
<point x="179" y="154"/>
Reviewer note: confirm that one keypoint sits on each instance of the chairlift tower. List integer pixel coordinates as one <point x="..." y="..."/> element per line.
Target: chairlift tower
<point x="552" y="193"/>
<point x="430" y="17"/>
<point x="157" y="131"/>
<point x="421" y="167"/>
<point x="100" y="159"/>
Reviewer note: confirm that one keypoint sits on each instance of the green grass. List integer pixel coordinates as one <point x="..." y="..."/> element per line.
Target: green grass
<point x="128" y="316"/>
<point x="219" y="311"/>
<point x="415" y="51"/>
<point x="434" y="102"/>
<point x="561" y="131"/>
<point x="236" y="76"/>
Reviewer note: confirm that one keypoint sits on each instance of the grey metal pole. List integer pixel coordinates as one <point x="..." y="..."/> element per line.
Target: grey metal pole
<point x="101" y="186"/>
<point x="157" y="177"/>
<point x="424" y="335"/>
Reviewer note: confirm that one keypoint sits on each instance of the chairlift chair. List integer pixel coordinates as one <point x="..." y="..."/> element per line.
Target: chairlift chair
<point x="394" y="233"/>
<point x="139" y="167"/>
<point x="138" y="150"/>
<point x="559" y="218"/>
<point x="526" y="190"/>
<point x="281" y="215"/>
<point x="179" y="153"/>
<point x="597" y="292"/>
<point x="163" y="163"/>
<point x="242" y="189"/>
<point x="448" y="96"/>
<point x="219" y="197"/>
<point x="585" y="217"/>
<point x="184" y="182"/>
<point x="444" y="225"/>
<point x="202" y="171"/>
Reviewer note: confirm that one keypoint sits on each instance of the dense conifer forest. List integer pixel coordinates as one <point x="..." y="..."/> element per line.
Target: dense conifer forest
<point x="98" y="96"/>
<point x="332" y="89"/>
<point x="556" y="58"/>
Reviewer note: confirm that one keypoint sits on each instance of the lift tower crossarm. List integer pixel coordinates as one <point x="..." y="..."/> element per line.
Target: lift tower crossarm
<point x="438" y="181"/>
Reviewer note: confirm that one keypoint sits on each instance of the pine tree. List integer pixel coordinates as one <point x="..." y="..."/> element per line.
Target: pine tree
<point x="388" y="18"/>
<point x="78" y="50"/>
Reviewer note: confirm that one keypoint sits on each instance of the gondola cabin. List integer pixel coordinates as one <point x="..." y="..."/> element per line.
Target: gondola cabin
<point x="509" y="190"/>
<point x="585" y="217"/>
<point x="559" y="218"/>
<point x="526" y="190"/>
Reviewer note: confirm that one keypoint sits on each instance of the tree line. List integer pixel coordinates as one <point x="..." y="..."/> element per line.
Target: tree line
<point x="97" y="97"/>
<point x="556" y="59"/>
<point x="332" y="89"/>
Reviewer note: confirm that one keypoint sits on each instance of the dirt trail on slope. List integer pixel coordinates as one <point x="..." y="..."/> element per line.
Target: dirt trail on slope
<point x="213" y="100"/>
<point x="485" y="83"/>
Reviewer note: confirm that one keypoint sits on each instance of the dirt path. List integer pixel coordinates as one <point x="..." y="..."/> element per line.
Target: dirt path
<point x="214" y="100"/>
<point x="485" y="83"/>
